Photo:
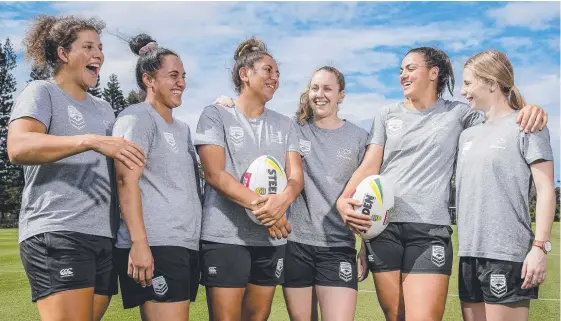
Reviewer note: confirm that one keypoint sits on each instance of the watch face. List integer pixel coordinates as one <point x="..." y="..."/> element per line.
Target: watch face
<point x="547" y="246"/>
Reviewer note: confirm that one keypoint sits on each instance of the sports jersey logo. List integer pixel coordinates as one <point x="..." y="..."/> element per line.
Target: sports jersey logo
<point x="438" y="257"/>
<point x="466" y="147"/>
<point x="345" y="271"/>
<point x="344" y="153"/>
<point x="171" y="141"/>
<point x="278" y="271"/>
<point x="305" y="146"/>
<point x="500" y="143"/>
<point x="159" y="284"/>
<point x="66" y="273"/>
<point x="498" y="285"/>
<point x="236" y="134"/>
<point x="394" y="127"/>
<point x="276" y="137"/>
<point x="76" y="118"/>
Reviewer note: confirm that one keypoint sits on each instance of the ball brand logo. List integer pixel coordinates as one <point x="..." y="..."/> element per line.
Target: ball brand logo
<point x="246" y="179"/>
<point x="367" y="204"/>
<point x="272" y="181"/>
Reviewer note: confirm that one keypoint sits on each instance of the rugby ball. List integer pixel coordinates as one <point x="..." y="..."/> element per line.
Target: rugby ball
<point x="265" y="175"/>
<point x="377" y="197"/>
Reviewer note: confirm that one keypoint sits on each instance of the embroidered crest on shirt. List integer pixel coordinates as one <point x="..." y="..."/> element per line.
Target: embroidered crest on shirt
<point x="344" y="153"/>
<point x="160" y="286"/>
<point x="236" y="134"/>
<point x="438" y="257"/>
<point x="498" y="285"/>
<point x="276" y="137"/>
<point x="76" y="118"/>
<point x="499" y="143"/>
<point x="345" y="271"/>
<point x="394" y="127"/>
<point x="305" y="146"/>
<point x="171" y="141"/>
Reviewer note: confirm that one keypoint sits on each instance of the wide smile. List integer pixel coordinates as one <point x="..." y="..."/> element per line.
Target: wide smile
<point x="176" y="92"/>
<point x="93" y="69"/>
<point x="406" y="84"/>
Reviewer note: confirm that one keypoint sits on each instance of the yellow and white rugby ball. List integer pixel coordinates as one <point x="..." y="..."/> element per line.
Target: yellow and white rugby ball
<point x="265" y="175"/>
<point x="376" y="193"/>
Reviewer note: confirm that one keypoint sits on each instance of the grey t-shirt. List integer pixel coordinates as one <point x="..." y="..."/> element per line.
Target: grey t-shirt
<point x="419" y="154"/>
<point x="330" y="157"/>
<point x="75" y="193"/>
<point x="243" y="140"/>
<point x="169" y="187"/>
<point x="493" y="180"/>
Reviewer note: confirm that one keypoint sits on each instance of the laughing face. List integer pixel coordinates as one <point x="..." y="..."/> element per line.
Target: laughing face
<point x="263" y="78"/>
<point x="476" y="91"/>
<point x="169" y="82"/>
<point x="85" y="58"/>
<point x="325" y="94"/>
<point x="415" y="76"/>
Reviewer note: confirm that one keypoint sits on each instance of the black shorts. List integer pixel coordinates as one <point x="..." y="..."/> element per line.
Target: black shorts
<point x="307" y="265"/>
<point x="234" y="266"/>
<point x="412" y="248"/>
<point x="59" y="261"/>
<point x="175" y="279"/>
<point x="492" y="281"/>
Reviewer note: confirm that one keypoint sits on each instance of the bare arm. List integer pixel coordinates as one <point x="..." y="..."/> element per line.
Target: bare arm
<point x="141" y="262"/>
<point x="534" y="270"/>
<point x="213" y="161"/>
<point x="28" y="144"/>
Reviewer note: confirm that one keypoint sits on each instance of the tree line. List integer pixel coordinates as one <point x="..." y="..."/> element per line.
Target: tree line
<point x="11" y="176"/>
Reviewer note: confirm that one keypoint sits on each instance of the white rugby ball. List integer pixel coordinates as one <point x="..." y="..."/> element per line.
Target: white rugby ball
<point x="264" y="176"/>
<point x="376" y="193"/>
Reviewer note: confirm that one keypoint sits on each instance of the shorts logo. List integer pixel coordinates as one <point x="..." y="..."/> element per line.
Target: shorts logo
<point x="66" y="273"/>
<point x="370" y="258"/>
<point x="394" y="127"/>
<point x="344" y="153"/>
<point x="236" y="134"/>
<point x="305" y="146"/>
<point x="76" y="118"/>
<point x="159" y="284"/>
<point x="280" y="264"/>
<point x="345" y="271"/>
<point x="498" y="285"/>
<point x="212" y="270"/>
<point x="171" y="141"/>
<point x="438" y="255"/>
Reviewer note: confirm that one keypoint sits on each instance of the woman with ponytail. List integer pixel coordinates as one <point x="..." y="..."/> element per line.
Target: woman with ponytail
<point x="502" y="262"/>
<point x="62" y="136"/>
<point x="414" y="144"/>
<point x="156" y="253"/>
<point x="242" y="262"/>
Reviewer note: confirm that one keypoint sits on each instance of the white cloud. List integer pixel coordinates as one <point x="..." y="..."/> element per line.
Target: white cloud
<point x="515" y="43"/>
<point x="533" y="15"/>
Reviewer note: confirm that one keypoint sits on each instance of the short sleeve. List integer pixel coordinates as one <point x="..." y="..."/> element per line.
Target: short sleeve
<point x="293" y="138"/>
<point x="210" y="129"/>
<point x="137" y="128"/>
<point x="536" y="146"/>
<point x="378" y="130"/>
<point x="470" y="117"/>
<point x="35" y="102"/>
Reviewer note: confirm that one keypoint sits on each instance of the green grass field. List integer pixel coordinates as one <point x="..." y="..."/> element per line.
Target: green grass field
<point x="15" y="294"/>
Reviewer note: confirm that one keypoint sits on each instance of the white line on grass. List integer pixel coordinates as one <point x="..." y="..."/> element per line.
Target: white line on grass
<point x="455" y="295"/>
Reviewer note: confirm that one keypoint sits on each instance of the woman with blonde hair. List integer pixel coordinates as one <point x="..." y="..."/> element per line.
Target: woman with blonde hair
<point x="502" y="261"/>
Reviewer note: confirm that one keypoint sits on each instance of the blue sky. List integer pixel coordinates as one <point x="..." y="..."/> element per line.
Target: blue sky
<point x="365" y="40"/>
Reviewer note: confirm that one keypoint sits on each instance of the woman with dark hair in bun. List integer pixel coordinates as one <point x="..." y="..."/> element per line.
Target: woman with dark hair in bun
<point x="156" y="256"/>
<point x="414" y="144"/>
<point x="241" y="261"/>
<point x="61" y="134"/>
